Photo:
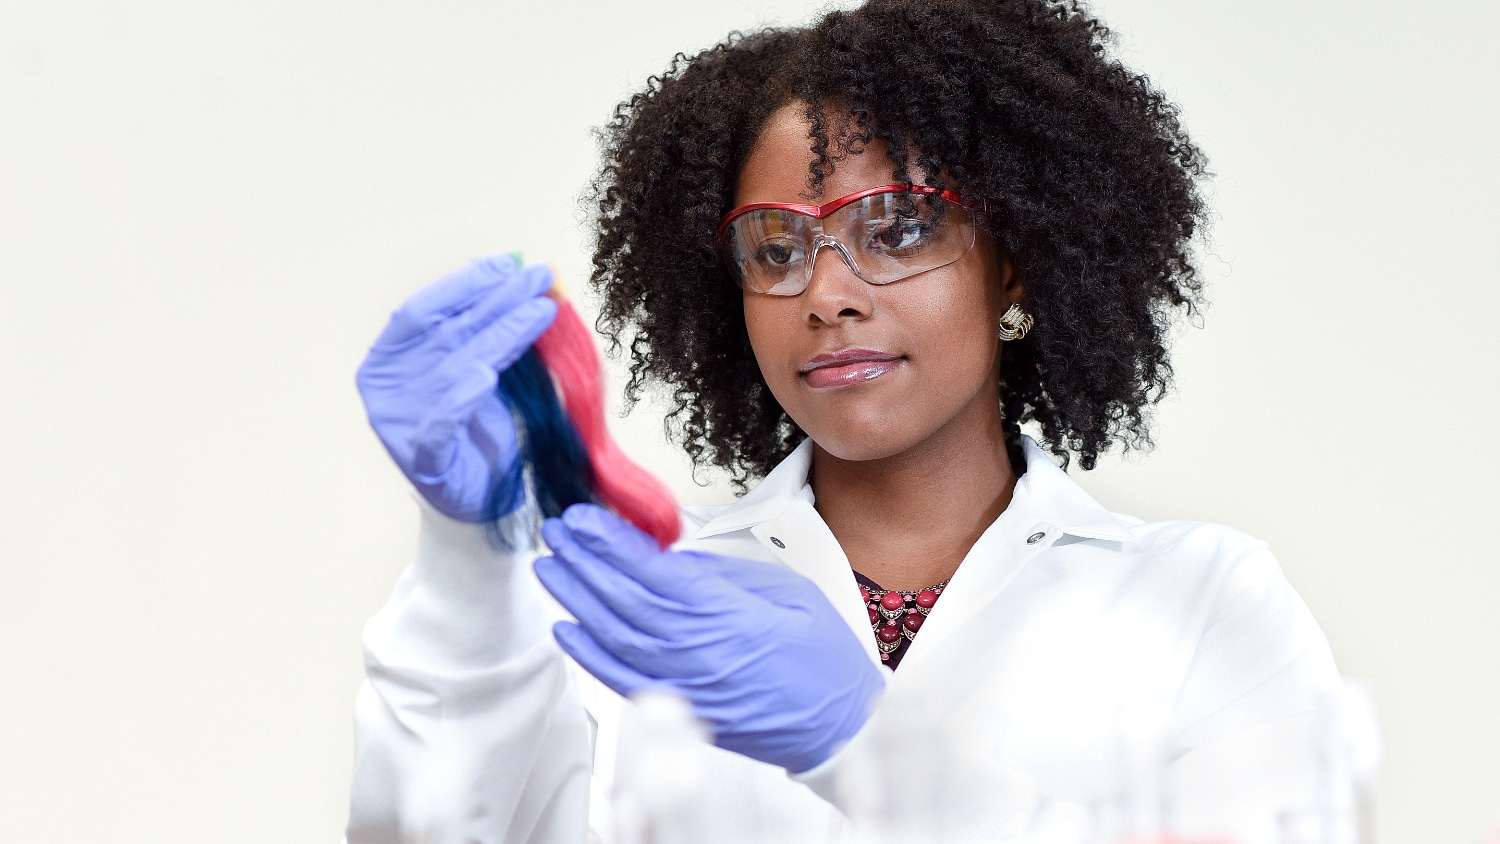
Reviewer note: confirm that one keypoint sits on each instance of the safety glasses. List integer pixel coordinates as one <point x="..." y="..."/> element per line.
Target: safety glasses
<point x="884" y="234"/>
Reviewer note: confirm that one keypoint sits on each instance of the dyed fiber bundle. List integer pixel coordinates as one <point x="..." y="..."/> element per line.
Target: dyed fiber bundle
<point x="556" y="391"/>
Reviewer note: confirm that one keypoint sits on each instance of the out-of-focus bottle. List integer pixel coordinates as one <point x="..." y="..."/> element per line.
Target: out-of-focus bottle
<point x="659" y="773"/>
<point x="1341" y="809"/>
<point x="897" y="784"/>
<point x="1140" y="807"/>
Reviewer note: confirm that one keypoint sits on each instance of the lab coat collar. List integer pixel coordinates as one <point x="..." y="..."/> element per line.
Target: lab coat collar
<point x="769" y="498"/>
<point x="1059" y="500"/>
<point x="1056" y="498"/>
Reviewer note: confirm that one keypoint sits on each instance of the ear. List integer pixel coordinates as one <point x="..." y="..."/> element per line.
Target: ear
<point x="1002" y="266"/>
<point x="1012" y="286"/>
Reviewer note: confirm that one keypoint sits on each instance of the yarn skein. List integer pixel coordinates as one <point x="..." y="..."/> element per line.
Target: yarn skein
<point x="556" y="396"/>
<point x="567" y="350"/>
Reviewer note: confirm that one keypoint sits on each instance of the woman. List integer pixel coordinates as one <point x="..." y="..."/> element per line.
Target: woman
<point x="860" y="255"/>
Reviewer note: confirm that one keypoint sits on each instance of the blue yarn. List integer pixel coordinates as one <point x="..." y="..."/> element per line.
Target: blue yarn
<point x="561" y="473"/>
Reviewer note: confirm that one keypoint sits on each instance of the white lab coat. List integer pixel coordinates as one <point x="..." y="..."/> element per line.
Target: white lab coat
<point x="1062" y="616"/>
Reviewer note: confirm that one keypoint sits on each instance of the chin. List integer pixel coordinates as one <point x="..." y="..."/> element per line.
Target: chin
<point x="855" y="425"/>
<point x="857" y="444"/>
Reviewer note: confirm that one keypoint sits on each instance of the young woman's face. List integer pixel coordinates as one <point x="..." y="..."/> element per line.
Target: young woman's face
<point x="922" y="352"/>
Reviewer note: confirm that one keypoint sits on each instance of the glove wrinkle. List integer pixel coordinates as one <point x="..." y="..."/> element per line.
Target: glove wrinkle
<point x="758" y="650"/>
<point x="432" y="376"/>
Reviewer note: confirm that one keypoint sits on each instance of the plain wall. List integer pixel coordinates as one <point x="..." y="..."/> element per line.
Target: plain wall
<point x="208" y="209"/>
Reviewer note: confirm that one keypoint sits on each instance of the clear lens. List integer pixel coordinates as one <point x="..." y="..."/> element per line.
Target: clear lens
<point x="885" y="237"/>
<point x="771" y="250"/>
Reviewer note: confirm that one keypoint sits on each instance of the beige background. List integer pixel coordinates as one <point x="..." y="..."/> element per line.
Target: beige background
<point x="207" y="210"/>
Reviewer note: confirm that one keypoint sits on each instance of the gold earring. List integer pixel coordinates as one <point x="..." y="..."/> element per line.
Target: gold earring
<point x="1014" y="323"/>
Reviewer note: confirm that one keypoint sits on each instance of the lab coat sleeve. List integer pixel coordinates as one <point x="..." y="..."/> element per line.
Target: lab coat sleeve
<point x="1247" y="729"/>
<point x="468" y="726"/>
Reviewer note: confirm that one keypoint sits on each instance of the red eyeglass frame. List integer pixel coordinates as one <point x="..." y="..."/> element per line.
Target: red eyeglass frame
<point x="819" y="212"/>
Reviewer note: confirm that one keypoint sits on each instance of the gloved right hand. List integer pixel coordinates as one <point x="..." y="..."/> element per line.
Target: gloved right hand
<point x="756" y="648"/>
<point x="430" y="381"/>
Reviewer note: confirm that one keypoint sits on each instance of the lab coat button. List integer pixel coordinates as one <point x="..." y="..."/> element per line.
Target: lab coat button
<point x="1035" y="538"/>
<point x="778" y="543"/>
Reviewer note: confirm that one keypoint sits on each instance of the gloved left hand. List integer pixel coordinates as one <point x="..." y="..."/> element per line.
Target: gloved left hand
<point x="429" y="382"/>
<point x="757" y="649"/>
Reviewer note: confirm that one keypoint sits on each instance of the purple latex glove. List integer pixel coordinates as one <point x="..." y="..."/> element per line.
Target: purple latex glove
<point x="757" y="649"/>
<point x="430" y="381"/>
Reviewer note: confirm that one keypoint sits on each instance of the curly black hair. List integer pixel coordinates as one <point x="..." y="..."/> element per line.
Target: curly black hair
<point x="1089" y="181"/>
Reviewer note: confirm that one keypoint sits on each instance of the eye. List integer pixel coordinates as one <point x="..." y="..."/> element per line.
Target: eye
<point x="778" y="253"/>
<point x="899" y="235"/>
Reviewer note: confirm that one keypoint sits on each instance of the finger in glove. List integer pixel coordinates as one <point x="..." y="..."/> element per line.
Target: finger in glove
<point x="529" y="286"/>
<point x="501" y="341"/>
<point x="626" y="598"/>
<point x="623" y="640"/>
<point x="451" y="294"/>
<point x="775" y="583"/>
<point x="634" y="553"/>
<point x="578" y="644"/>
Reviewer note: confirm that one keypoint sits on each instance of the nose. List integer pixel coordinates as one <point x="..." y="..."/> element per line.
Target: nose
<point x="834" y="290"/>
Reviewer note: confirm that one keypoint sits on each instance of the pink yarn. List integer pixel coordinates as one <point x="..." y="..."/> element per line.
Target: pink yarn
<point x="567" y="350"/>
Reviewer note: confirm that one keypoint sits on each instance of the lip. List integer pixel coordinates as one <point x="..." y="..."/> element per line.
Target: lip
<point x="848" y="366"/>
<point x="848" y="356"/>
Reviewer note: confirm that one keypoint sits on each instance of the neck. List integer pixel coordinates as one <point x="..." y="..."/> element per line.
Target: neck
<point x="906" y="521"/>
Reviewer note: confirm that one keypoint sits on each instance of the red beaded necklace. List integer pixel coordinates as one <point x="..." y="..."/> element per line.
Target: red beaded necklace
<point x="896" y="616"/>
